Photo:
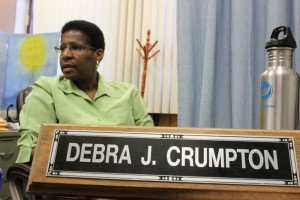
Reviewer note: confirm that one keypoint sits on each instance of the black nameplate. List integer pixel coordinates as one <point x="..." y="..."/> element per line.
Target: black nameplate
<point x="196" y="158"/>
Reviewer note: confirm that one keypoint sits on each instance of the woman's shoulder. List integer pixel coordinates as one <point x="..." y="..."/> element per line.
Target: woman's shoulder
<point x="117" y="88"/>
<point x="120" y="86"/>
<point x="47" y="81"/>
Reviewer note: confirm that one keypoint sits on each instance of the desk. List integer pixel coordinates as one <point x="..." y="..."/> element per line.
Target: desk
<point x="164" y="177"/>
<point x="8" y="155"/>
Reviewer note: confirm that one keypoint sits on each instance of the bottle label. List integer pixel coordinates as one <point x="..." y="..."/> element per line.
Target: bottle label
<point x="266" y="93"/>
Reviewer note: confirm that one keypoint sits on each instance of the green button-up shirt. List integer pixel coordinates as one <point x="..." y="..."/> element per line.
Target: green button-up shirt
<point x="59" y="100"/>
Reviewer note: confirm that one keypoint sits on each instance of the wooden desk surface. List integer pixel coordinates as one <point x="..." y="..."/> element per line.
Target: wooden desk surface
<point x="39" y="183"/>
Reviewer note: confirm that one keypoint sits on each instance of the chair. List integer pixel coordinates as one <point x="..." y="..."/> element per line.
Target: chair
<point x="17" y="175"/>
<point x="21" y="99"/>
<point x="17" y="178"/>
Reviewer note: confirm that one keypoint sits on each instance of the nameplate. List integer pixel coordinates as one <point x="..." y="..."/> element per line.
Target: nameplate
<point x="174" y="157"/>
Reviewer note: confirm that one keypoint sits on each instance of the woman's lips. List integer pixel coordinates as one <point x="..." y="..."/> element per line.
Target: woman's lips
<point x="67" y="68"/>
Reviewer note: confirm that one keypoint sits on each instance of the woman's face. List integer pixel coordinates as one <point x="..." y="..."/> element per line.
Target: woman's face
<point x="78" y="65"/>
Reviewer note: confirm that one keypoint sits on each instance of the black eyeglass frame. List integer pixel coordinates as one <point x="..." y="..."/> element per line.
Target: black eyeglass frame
<point x="77" y="48"/>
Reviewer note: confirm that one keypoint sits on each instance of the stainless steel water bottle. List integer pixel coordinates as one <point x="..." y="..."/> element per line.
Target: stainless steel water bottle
<point x="279" y="83"/>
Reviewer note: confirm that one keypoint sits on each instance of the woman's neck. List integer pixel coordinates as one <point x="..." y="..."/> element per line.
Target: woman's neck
<point x="89" y="87"/>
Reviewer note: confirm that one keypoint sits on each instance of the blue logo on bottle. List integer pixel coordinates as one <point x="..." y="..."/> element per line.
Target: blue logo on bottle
<point x="266" y="90"/>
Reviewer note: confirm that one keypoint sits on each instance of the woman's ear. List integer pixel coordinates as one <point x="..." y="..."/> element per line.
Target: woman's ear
<point x="100" y="54"/>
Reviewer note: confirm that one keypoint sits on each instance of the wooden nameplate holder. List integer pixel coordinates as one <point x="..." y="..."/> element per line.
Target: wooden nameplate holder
<point x="165" y="163"/>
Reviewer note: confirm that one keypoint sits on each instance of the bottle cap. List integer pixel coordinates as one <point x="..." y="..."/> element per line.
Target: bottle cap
<point x="287" y="39"/>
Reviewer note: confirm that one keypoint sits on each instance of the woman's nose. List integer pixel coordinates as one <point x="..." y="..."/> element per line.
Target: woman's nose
<point x="66" y="53"/>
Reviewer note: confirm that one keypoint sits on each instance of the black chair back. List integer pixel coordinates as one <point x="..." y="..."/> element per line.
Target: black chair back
<point x="21" y="99"/>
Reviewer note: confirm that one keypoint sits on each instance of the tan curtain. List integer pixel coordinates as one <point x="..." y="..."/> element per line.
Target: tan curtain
<point x="122" y="22"/>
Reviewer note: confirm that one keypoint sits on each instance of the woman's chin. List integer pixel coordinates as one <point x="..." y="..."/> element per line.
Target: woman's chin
<point x="70" y="76"/>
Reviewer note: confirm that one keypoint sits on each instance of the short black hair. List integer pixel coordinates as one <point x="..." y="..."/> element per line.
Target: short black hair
<point x="92" y="31"/>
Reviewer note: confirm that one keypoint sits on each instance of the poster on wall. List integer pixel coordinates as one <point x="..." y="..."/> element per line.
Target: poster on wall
<point x="3" y="55"/>
<point x="27" y="57"/>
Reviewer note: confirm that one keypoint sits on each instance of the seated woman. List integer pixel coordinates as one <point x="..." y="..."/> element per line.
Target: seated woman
<point x="81" y="95"/>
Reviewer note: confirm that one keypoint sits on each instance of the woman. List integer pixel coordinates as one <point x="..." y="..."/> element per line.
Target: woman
<point x="81" y="95"/>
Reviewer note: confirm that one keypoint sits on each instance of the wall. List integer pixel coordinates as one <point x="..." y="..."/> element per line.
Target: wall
<point x="7" y="15"/>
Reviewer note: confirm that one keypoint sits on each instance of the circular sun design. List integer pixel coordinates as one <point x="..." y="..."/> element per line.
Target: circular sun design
<point x="33" y="52"/>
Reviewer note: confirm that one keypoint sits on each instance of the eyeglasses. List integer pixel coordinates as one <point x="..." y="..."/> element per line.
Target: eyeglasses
<point x="74" y="48"/>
